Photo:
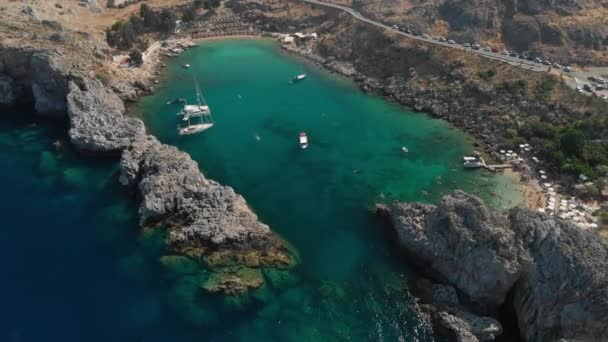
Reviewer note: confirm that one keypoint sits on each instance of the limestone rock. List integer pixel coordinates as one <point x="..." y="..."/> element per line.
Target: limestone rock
<point x="200" y="212"/>
<point x="555" y="271"/>
<point x="456" y="240"/>
<point x="97" y="121"/>
<point x="8" y="90"/>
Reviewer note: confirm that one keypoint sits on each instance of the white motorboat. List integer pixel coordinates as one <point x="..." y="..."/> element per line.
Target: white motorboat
<point x="298" y="78"/>
<point x="466" y="159"/>
<point x="303" y="141"/>
<point x="404" y="149"/>
<point x="186" y="66"/>
<point x="472" y="164"/>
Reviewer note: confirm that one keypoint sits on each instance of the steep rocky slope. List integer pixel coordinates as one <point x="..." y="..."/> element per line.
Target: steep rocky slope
<point x="551" y="273"/>
<point x="563" y="30"/>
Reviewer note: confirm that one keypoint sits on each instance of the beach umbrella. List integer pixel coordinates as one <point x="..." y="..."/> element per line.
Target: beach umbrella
<point x="593" y="225"/>
<point x="551" y="189"/>
<point x="527" y="149"/>
<point x="509" y="151"/>
<point x="541" y="210"/>
<point x="543" y="177"/>
<point x="542" y="172"/>
<point x="502" y="151"/>
<point x="527" y="145"/>
<point x="547" y="184"/>
<point x="522" y="145"/>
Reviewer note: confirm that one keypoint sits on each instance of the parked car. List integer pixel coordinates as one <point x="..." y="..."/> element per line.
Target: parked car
<point x="451" y="41"/>
<point x="504" y="52"/>
<point x="466" y="45"/>
<point x="513" y="54"/>
<point x="530" y="58"/>
<point x="424" y="35"/>
<point x="408" y="31"/>
<point x="567" y="69"/>
<point x="476" y="46"/>
<point x="587" y="87"/>
<point x="546" y="62"/>
<point x="557" y="66"/>
<point x="487" y="49"/>
<point x="538" y="60"/>
<point x="522" y="56"/>
<point x="600" y="80"/>
<point x="591" y="78"/>
<point x="395" y="27"/>
<point x="494" y="50"/>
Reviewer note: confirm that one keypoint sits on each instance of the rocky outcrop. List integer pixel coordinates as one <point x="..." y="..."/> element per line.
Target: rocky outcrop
<point x="458" y="238"/>
<point x="97" y="121"/>
<point x="8" y="91"/>
<point x="41" y="75"/>
<point x="554" y="271"/>
<point x="204" y="217"/>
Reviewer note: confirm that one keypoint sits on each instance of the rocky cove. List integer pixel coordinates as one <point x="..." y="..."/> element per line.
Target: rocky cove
<point x="211" y="222"/>
<point x="207" y="221"/>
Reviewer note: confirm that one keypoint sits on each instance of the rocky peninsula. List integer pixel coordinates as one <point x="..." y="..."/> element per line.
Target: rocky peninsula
<point x="208" y="222"/>
<point x="546" y="271"/>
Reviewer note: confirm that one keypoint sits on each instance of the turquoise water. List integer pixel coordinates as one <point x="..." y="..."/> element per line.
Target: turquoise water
<point x="349" y="285"/>
<point x="77" y="268"/>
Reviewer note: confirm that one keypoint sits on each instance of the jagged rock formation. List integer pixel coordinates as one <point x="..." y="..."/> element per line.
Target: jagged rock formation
<point x="555" y="271"/>
<point x="206" y="220"/>
<point x="97" y="120"/>
<point x="41" y="75"/>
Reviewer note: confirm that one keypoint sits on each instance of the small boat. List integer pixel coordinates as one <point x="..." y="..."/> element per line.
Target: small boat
<point x="466" y="159"/>
<point x="186" y="66"/>
<point x="472" y="164"/>
<point x="303" y="140"/>
<point x="404" y="149"/>
<point x="176" y="100"/>
<point x="192" y="129"/>
<point x="298" y="78"/>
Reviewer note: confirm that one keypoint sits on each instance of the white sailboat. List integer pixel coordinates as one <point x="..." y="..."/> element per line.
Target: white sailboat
<point x="200" y="111"/>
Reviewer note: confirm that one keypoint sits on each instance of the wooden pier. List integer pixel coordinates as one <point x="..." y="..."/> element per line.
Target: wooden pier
<point x="494" y="167"/>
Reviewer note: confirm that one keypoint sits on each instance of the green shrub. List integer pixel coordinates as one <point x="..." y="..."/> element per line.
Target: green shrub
<point x="487" y="75"/>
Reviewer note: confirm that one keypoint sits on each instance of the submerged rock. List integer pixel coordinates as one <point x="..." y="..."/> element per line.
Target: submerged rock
<point x="555" y="271"/>
<point x="97" y="121"/>
<point x="233" y="280"/>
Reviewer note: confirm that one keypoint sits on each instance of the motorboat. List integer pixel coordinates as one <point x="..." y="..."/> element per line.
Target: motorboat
<point x="196" y="128"/>
<point x="472" y="164"/>
<point x="404" y="149"/>
<point x="186" y="66"/>
<point x="298" y="78"/>
<point x="303" y="141"/>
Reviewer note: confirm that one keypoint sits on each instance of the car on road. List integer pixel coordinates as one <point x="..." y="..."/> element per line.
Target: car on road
<point x="567" y="69"/>
<point x="424" y="35"/>
<point x="530" y="58"/>
<point x="494" y="50"/>
<point x="443" y="40"/>
<point x="408" y="31"/>
<point x="557" y="66"/>
<point x="546" y="62"/>
<point x="476" y="47"/>
<point x="522" y="56"/>
<point x="451" y="41"/>
<point x="485" y="48"/>
<point x="538" y="60"/>
<point x="513" y="54"/>
<point x="395" y="27"/>
<point x="587" y="87"/>
<point x="466" y="45"/>
<point x="504" y="52"/>
<point x="579" y="89"/>
<point x="591" y="78"/>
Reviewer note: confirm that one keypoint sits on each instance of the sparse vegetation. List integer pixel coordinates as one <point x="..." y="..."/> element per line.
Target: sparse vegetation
<point x="544" y="88"/>
<point x="487" y="75"/>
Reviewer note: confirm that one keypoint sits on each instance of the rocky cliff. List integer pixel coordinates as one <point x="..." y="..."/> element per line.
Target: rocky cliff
<point x="549" y="272"/>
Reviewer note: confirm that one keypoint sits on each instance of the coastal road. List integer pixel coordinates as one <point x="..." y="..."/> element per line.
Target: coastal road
<point x="577" y="75"/>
